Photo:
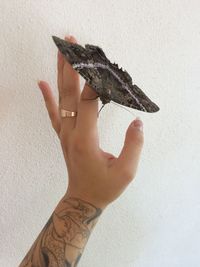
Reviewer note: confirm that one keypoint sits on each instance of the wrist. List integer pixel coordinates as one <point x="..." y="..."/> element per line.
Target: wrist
<point x="80" y="217"/>
<point x="90" y="200"/>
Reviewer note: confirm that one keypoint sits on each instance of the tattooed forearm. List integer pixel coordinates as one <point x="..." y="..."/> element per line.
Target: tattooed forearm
<point x="63" y="238"/>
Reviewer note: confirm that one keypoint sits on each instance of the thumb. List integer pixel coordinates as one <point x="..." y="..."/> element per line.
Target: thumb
<point x="130" y="154"/>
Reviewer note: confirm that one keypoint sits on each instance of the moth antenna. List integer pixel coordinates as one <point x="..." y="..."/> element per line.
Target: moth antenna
<point x="122" y="107"/>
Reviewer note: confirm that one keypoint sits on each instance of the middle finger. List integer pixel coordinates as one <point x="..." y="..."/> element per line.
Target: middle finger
<point x="69" y="90"/>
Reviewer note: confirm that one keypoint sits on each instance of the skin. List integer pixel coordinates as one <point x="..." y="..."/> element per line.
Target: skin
<point x="95" y="177"/>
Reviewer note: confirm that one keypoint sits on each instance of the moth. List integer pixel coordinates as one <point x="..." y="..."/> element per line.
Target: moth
<point x="110" y="82"/>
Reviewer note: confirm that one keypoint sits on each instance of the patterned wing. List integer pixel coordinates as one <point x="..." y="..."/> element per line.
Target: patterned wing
<point x="106" y="78"/>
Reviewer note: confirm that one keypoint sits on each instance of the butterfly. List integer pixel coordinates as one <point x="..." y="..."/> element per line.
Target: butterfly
<point x="110" y="82"/>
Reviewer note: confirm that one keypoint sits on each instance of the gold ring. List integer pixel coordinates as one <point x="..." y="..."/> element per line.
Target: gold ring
<point x="66" y="113"/>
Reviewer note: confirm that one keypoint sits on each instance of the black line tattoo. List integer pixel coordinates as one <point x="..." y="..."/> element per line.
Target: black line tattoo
<point x="63" y="238"/>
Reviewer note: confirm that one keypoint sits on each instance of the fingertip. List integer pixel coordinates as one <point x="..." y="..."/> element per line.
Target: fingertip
<point x="46" y="91"/>
<point x="70" y="38"/>
<point x="137" y="124"/>
<point x="41" y="83"/>
<point x="73" y="39"/>
<point x="67" y="37"/>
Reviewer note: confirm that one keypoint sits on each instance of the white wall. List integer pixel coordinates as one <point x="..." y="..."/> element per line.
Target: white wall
<point x="156" y="222"/>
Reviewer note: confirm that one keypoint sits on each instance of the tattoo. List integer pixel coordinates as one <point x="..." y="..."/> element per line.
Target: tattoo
<point x="63" y="238"/>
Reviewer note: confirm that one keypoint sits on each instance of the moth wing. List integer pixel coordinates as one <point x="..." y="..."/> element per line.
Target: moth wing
<point x="135" y="99"/>
<point x="95" y="49"/>
<point x="124" y="98"/>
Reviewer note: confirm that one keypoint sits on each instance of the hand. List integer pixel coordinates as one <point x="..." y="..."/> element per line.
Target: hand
<point x="95" y="176"/>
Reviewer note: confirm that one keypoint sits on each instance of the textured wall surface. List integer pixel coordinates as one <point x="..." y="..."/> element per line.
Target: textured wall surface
<point x="156" y="222"/>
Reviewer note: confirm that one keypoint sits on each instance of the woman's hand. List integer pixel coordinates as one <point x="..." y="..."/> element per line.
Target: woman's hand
<point x="94" y="175"/>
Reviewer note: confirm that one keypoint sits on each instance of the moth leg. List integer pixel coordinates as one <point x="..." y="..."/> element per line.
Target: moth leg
<point x="100" y="110"/>
<point x="106" y="96"/>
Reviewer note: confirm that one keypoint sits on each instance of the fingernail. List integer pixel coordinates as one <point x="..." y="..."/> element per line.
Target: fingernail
<point x="137" y="123"/>
<point x="38" y="82"/>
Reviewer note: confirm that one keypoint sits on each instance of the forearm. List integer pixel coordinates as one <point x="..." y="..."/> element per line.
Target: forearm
<point x="63" y="238"/>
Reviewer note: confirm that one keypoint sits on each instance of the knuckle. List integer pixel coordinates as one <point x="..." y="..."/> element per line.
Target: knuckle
<point x="81" y="144"/>
<point x="66" y="93"/>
